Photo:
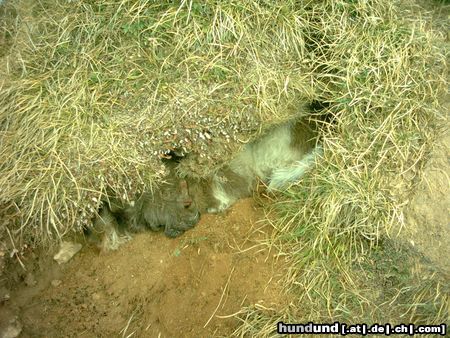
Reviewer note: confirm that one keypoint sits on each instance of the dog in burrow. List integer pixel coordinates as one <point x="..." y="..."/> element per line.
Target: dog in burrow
<point x="278" y="158"/>
<point x="169" y="207"/>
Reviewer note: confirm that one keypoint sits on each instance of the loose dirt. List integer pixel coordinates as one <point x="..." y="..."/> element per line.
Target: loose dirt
<point x="154" y="286"/>
<point x="428" y="214"/>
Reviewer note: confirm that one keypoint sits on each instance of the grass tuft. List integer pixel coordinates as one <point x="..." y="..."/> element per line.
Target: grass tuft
<point x="95" y="92"/>
<point x="381" y="72"/>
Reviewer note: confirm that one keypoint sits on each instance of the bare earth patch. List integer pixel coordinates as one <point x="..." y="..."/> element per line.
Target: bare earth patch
<point x="428" y="215"/>
<point x="155" y="286"/>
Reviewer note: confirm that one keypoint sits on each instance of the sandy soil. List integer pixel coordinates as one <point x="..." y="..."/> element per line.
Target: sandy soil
<point x="428" y="214"/>
<point x="153" y="286"/>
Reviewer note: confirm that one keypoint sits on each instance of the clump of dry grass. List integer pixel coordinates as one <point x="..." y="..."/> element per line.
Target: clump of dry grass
<point x="381" y="70"/>
<point x="94" y="92"/>
<point x="392" y="284"/>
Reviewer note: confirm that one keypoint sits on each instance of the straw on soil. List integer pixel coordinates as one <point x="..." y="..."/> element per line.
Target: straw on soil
<point x="93" y="92"/>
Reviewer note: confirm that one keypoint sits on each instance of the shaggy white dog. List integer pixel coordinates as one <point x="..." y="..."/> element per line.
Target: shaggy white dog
<point x="278" y="158"/>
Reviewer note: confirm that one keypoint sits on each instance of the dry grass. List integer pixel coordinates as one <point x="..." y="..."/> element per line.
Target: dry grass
<point x="389" y="285"/>
<point x="382" y="71"/>
<point x="95" y="91"/>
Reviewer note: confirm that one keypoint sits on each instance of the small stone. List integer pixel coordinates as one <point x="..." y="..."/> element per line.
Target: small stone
<point x="56" y="282"/>
<point x="66" y="252"/>
<point x="96" y="296"/>
<point x="13" y="329"/>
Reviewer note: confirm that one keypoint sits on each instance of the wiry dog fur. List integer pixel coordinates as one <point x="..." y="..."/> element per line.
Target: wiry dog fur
<point x="169" y="207"/>
<point x="278" y="158"/>
<point x="107" y="233"/>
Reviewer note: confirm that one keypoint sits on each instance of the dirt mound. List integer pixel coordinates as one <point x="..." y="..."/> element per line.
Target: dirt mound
<point x="155" y="286"/>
